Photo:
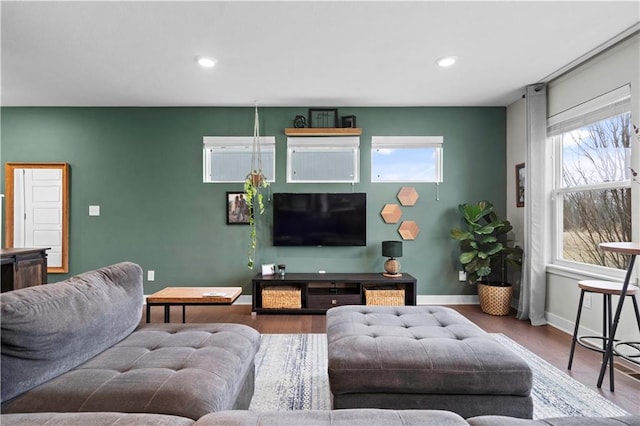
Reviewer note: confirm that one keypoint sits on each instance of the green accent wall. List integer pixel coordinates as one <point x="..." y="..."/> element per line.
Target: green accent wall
<point x="143" y="166"/>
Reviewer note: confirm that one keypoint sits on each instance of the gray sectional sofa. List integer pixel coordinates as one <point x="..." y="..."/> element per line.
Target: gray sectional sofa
<point x="74" y="353"/>
<point x="346" y="417"/>
<point x="77" y="346"/>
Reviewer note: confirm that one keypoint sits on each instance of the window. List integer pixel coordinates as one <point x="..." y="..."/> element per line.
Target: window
<point x="592" y="184"/>
<point x="228" y="158"/>
<point x="406" y="158"/>
<point x="323" y="159"/>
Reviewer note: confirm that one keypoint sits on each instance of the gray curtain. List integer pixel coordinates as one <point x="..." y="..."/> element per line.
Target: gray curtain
<point x="531" y="304"/>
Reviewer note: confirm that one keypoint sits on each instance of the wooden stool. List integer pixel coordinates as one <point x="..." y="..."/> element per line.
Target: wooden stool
<point x="607" y="289"/>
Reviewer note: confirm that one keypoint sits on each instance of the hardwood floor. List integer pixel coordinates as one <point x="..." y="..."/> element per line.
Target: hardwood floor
<point x="547" y="342"/>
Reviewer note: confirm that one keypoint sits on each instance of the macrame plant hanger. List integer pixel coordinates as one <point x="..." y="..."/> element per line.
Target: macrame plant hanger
<point x="256" y="155"/>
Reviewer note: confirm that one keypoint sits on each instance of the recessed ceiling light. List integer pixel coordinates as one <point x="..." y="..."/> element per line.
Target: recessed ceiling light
<point x="206" y="61"/>
<point x="446" y="61"/>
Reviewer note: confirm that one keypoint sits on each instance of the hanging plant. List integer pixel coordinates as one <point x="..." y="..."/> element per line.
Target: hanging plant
<point x="253" y="184"/>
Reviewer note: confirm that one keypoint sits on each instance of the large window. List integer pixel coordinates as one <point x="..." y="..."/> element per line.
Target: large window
<point x="406" y="158"/>
<point x="592" y="184"/>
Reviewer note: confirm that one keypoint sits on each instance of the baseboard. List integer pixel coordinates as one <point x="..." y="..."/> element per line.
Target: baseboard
<point x="244" y="299"/>
<point x="567" y="326"/>
<point x="447" y="300"/>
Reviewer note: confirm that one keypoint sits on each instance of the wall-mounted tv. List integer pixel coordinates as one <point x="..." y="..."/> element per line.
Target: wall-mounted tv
<point x="320" y="219"/>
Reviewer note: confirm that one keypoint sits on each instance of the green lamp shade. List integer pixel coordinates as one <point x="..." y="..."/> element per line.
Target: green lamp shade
<point x="392" y="248"/>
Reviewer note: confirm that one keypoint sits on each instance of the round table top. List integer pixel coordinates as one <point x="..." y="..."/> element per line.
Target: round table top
<point x="606" y="287"/>
<point x="624" y="248"/>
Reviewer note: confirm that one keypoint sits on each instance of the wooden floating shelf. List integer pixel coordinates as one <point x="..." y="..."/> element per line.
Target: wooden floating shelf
<point x="322" y="131"/>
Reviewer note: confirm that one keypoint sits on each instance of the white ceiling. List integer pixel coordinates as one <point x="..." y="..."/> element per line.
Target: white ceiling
<point x="304" y="53"/>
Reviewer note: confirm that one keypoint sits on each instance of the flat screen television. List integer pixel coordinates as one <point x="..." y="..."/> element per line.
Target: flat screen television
<point x="320" y="219"/>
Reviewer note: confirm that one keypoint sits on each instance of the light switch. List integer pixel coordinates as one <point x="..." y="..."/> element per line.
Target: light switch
<point x="94" y="210"/>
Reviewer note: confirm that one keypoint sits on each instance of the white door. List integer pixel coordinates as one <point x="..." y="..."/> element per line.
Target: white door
<point x="40" y="210"/>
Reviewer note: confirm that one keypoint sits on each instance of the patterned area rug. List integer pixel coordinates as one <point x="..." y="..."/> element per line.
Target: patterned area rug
<point x="555" y="393"/>
<point x="291" y="374"/>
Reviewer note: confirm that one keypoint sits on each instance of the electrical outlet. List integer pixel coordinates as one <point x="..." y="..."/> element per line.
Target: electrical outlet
<point x="587" y="301"/>
<point x="462" y="276"/>
<point x="151" y="275"/>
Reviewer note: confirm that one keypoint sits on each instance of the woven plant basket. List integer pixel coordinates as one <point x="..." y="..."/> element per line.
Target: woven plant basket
<point x="384" y="297"/>
<point x="495" y="300"/>
<point x="281" y="297"/>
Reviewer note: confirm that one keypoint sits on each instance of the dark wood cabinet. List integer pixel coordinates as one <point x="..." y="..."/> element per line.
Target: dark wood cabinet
<point x="319" y="292"/>
<point x="23" y="267"/>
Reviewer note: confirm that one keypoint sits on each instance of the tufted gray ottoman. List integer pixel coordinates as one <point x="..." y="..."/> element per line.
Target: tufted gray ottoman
<point x="422" y="357"/>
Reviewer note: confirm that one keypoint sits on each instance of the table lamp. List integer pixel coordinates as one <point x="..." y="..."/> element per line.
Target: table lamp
<point x="392" y="249"/>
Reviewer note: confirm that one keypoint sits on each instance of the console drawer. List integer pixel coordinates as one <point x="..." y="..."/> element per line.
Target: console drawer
<point x="326" y="301"/>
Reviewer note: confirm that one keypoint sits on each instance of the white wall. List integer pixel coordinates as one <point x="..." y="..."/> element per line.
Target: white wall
<point x="516" y="154"/>
<point x="614" y="68"/>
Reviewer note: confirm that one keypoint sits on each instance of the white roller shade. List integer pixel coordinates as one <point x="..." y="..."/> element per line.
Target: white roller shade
<point x="323" y="159"/>
<point x="228" y="159"/>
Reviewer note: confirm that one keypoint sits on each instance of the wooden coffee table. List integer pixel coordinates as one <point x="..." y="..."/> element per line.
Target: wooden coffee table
<point x="171" y="296"/>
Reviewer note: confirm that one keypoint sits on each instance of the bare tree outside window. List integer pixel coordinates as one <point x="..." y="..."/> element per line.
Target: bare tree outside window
<point x="596" y="194"/>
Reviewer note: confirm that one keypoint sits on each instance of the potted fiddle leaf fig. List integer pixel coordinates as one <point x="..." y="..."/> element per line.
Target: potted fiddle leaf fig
<point x="483" y="248"/>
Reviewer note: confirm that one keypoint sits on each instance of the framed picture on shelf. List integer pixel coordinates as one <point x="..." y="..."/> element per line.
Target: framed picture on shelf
<point x="349" y="122"/>
<point x="237" y="209"/>
<point x="520" y="185"/>
<point x="323" y="117"/>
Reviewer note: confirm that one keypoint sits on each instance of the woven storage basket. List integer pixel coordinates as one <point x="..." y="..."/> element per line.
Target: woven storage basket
<point x="281" y="297"/>
<point x="495" y="300"/>
<point x="384" y="297"/>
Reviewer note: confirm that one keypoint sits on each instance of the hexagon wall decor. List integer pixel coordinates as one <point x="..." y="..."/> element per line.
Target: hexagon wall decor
<point x="408" y="196"/>
<point x="409" y="230"/>
<point x="391" y="213"/>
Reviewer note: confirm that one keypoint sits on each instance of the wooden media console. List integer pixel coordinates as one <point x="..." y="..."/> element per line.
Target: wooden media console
<point x="319" y="292"/>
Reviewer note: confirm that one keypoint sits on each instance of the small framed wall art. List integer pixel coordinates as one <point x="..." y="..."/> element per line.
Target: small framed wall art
<point x="323" y="117"/>
<point x="237" y="209"/>
<point x="520" y="185"/>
